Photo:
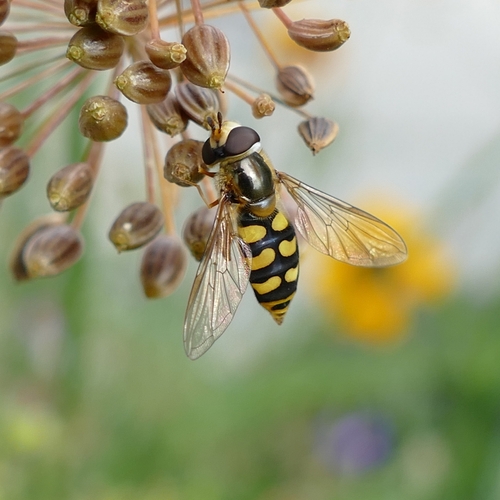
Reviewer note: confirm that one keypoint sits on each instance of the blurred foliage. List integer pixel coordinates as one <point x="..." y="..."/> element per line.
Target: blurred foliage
<point x="100" y="403"/>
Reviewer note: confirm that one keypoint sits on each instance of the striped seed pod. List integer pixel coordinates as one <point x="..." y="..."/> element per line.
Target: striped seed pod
<point x="70" y="187"/>
<point x="135" y="226"/>
<point x="197" y="229"/>
<point x="167" y="116"/>
<point x="80" y="12"/>
<point x="93" y="48"/>
<point x="199" y="103"/>
<point x="163" y="266"/>
<point x="102" y="118"/>
<point x="165" y="55"/>
<point x="318" y="34"/>
<point x="11" y="124"/>
<point x="318" y="133"/>
<point x="8" y="47"/>
<point x="123" y="17"/>
<point x="295" y="85"/>
<point x="208" y="56"/>
<point x="144" y="83"/>
<point x="14" y="170"/>
<point x="51" y="251"/>
<point x="184" y="164"/>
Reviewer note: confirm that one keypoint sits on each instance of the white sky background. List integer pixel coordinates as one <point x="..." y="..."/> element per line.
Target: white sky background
<point x="416" y="92"/>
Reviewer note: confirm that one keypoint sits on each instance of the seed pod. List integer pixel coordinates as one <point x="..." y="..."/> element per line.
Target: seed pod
<point x="80" y="12"/>
<point x="263" y="106"/>
<point x="4" y="10"/>
<point x="163" y="266"/>
<point x="136" y="225"/>
<point x="207" y="58"/>
<point x="14" y="169"/>
<point x="16" y="261"/>
<point x="167" y="116"/>
<point x="70" y="187"/>
<point x="197" y="229"/>
<point x="165" y="55"/>
<point x="318" y="133"/>
<point x="144" y="83"/>
<point x="93" y="48"/>
<point x="51" y="250"/>
<point x="295" y="85"/>
<point x="8" y="47"/>
<point x="318" y="34"/>
<point x="11" y="124"/>
<point x="198" y="103"/>
<point x="123" y="17"/>
<point x="102" y="118"/>
<point x="184" y="164"/>
<point x="271" y="4"/>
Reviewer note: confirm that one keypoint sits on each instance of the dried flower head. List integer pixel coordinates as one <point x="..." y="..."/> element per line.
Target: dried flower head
<point x="103" y="52"/>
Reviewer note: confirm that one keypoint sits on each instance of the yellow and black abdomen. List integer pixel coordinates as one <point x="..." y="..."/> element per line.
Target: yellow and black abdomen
<point x="275" y="260"/>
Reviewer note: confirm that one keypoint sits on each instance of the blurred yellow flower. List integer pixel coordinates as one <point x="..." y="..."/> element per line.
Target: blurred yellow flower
<point x="376" y="304"/>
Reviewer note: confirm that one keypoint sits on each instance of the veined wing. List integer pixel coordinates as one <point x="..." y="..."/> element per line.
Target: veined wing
<point x="219" y="285"/>
<point x="342" y="231"/>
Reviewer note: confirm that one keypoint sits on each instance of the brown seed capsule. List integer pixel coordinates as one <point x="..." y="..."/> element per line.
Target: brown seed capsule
<point x="136" y="225"/>
<point x="163" y="266"/>
<point x="80" y="12"/>
<point x="184" y="164"/>
<point x="144" y="83"/>
<point x="167" y="116"/>
<point x="208" y="56"/>
<point x="70" y="187"/>
<point x="197" y="229"/>
<point x="165" y="55"/>
<point x="93" y="48"/>
<point x="14" y="169"/>
<point x="271" y="4"/>
<point x="4" y="10"/>
<point x="295" y="85"/>
<point x="123" y="17"/>
<point x="16" y="261"/>
<point x="8" y="47"/>
<point x="11" y="124"/>
<point x="198" y="103"/>
<point x="263" y="106"/>
<point x="52" y="250"/>
<point x="102" y="118"/>
<point x="318" y="34"/>
<point x="318" y="133"/>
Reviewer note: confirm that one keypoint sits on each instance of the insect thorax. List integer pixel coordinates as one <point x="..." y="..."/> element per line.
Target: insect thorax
<point x="250" y="182"/>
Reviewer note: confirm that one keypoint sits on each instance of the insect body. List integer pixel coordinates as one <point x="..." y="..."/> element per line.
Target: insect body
<point x="253" y="241"/>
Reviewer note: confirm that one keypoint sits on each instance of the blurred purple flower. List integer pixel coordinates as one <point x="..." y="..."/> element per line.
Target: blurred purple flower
<point x="354" y="443"/>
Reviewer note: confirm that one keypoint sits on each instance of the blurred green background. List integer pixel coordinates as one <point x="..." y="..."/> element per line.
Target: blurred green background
<point x="97" y="398"/>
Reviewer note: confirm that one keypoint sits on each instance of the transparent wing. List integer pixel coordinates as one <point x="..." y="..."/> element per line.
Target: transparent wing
<point x="219" y="285"/>
<point x="342" y="231"/>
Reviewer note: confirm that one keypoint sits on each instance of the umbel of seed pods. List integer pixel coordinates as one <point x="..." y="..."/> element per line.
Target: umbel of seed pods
<point x="178" y="82"/>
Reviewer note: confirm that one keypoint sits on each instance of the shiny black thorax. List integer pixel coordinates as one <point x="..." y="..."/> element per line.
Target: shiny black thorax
<point x="249" y="181"/>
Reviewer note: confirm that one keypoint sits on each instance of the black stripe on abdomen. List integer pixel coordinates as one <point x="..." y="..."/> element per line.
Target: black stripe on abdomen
<point x="275" y="260"/>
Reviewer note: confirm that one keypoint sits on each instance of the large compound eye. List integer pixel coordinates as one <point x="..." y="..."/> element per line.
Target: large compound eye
<point x="208" y="154"/>
<point x="239" y="140"/>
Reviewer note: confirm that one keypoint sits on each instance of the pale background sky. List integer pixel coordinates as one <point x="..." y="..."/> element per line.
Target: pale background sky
<point x="416" y="91"/>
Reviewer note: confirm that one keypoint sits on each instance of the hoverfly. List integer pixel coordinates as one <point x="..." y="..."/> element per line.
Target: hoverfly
<point x="252" y="241"/>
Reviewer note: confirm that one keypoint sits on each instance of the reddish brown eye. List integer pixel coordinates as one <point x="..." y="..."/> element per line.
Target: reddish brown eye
<point x="239" y="140"/>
